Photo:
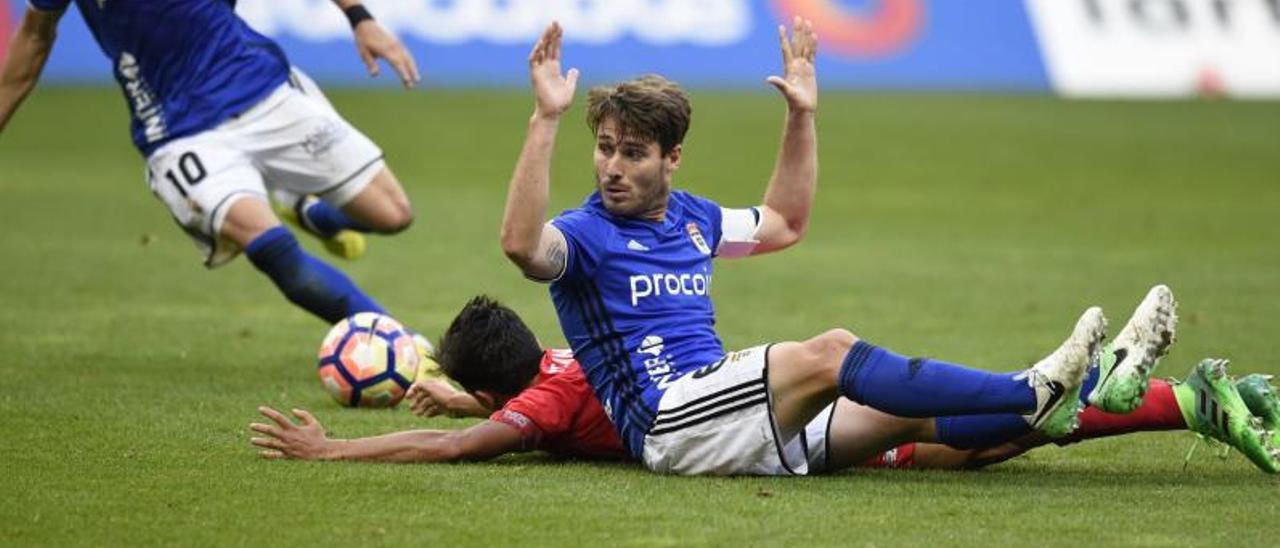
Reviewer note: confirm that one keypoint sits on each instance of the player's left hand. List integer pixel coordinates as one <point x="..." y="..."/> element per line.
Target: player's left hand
<point x="798" y="84"/>
<point x="287" y="440"/>
<point x="374" y="42"/>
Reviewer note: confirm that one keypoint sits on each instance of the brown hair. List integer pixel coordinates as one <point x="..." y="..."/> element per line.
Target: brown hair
<point x="650" y="108"/>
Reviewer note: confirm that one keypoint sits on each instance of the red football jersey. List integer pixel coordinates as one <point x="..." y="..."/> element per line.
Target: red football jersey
<point x="560" y="414"/>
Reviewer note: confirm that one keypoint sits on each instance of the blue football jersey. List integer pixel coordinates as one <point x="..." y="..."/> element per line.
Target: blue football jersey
<point x="634" y="302"/>
<point x="184" y="65"/>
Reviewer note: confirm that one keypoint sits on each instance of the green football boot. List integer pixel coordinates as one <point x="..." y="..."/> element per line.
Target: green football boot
<point x="1126" y="364"/>
<point x="1214" y="409"/>
<point x="1263" y="401"/>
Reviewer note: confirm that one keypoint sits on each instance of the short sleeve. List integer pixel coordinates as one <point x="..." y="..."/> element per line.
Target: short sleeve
<point x="586" y="236"/>
<point x="530" y="434"/>
<point x="543" y="411"/>
<point x="49" y="5"/>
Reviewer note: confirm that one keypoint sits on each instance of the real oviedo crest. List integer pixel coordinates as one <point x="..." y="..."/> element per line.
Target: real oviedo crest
<point x="695" y="234"/>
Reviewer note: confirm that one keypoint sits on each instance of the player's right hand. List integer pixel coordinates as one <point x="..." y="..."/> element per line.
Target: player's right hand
<point x="552" y="91"/>
<point x="430" y="397"/>
<point x="374" y="42"/>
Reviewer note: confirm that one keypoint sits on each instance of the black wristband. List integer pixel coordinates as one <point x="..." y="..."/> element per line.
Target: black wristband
<point x="357" y="13"/>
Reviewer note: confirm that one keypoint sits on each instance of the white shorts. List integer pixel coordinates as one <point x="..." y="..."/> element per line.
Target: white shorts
<point x="719" y="420"/>
<point x="293" y="140"/>
<point x="814" y="440"/>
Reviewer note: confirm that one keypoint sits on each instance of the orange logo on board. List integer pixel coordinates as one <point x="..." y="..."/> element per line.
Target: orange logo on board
<point x="886" y="28"/>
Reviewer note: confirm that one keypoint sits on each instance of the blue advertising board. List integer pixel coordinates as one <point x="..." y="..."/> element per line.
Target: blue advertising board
<point x="864" y="44"/>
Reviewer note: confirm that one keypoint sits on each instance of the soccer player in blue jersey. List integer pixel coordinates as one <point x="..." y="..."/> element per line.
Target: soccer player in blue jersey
<point x="630" y="273"/>
<point x="221" y="119"/>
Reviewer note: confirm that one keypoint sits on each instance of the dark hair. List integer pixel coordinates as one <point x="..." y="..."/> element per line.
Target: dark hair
<point x="488" y="348"/>
<point x="650" y="108"/>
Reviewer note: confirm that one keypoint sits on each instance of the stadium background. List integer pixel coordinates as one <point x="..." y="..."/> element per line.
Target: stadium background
<point x="965" y="211"/>
<point x="1077" y="47"/>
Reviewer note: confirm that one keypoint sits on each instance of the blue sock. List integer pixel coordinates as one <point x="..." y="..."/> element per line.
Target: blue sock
<point x="310" y="283"/>
<point x="922" y="387"/>
<point x="980" y="431"/>
<point x="326" y="220"/>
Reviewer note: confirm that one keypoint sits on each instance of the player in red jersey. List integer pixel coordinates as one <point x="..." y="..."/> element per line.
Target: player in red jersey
<point x="541" y="398"/>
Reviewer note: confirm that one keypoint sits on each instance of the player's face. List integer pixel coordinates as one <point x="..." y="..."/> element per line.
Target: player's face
<point x="633" y="176"/>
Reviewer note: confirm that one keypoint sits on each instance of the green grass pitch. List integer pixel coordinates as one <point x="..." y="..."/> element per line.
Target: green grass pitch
<point x="971" y="228"/>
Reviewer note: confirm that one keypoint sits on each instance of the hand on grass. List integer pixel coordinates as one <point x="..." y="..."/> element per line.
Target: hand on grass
<point x="287" y="440"/>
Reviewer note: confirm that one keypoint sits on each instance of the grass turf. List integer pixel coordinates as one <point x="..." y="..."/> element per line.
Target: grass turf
<point x="971" y="228"/>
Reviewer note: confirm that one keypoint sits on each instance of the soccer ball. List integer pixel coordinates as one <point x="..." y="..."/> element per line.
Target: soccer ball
<point x="368" y="360"/>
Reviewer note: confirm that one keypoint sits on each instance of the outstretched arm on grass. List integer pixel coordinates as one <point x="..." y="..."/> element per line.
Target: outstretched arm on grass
<point x="306" y="440"/>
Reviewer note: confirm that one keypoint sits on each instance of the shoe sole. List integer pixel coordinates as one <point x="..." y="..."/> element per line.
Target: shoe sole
<point x="1127" y="364"/>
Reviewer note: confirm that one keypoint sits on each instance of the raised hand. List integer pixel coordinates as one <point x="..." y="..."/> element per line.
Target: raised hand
<point x="798" y="83"/>
<point x="374" y="42"/>
<point x="286" y="440"/>
<point x="552" y="91"/>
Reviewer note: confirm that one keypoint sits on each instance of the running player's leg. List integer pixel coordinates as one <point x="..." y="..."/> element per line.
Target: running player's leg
<point x="215" y="192"/>
<point x="381" y="206"/>
<point x="340" y="235"/>
<point x="805" y="377"/>
<point x="308" y="282"/>
<point x="360" y="192"/>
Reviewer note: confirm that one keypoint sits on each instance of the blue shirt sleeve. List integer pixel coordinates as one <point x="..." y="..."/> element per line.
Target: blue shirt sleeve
<point x="586" y="236"/>
<point x="49" y="5"/>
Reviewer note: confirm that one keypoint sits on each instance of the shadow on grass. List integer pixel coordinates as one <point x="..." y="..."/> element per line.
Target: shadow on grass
<point x="1018" y="473"/>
